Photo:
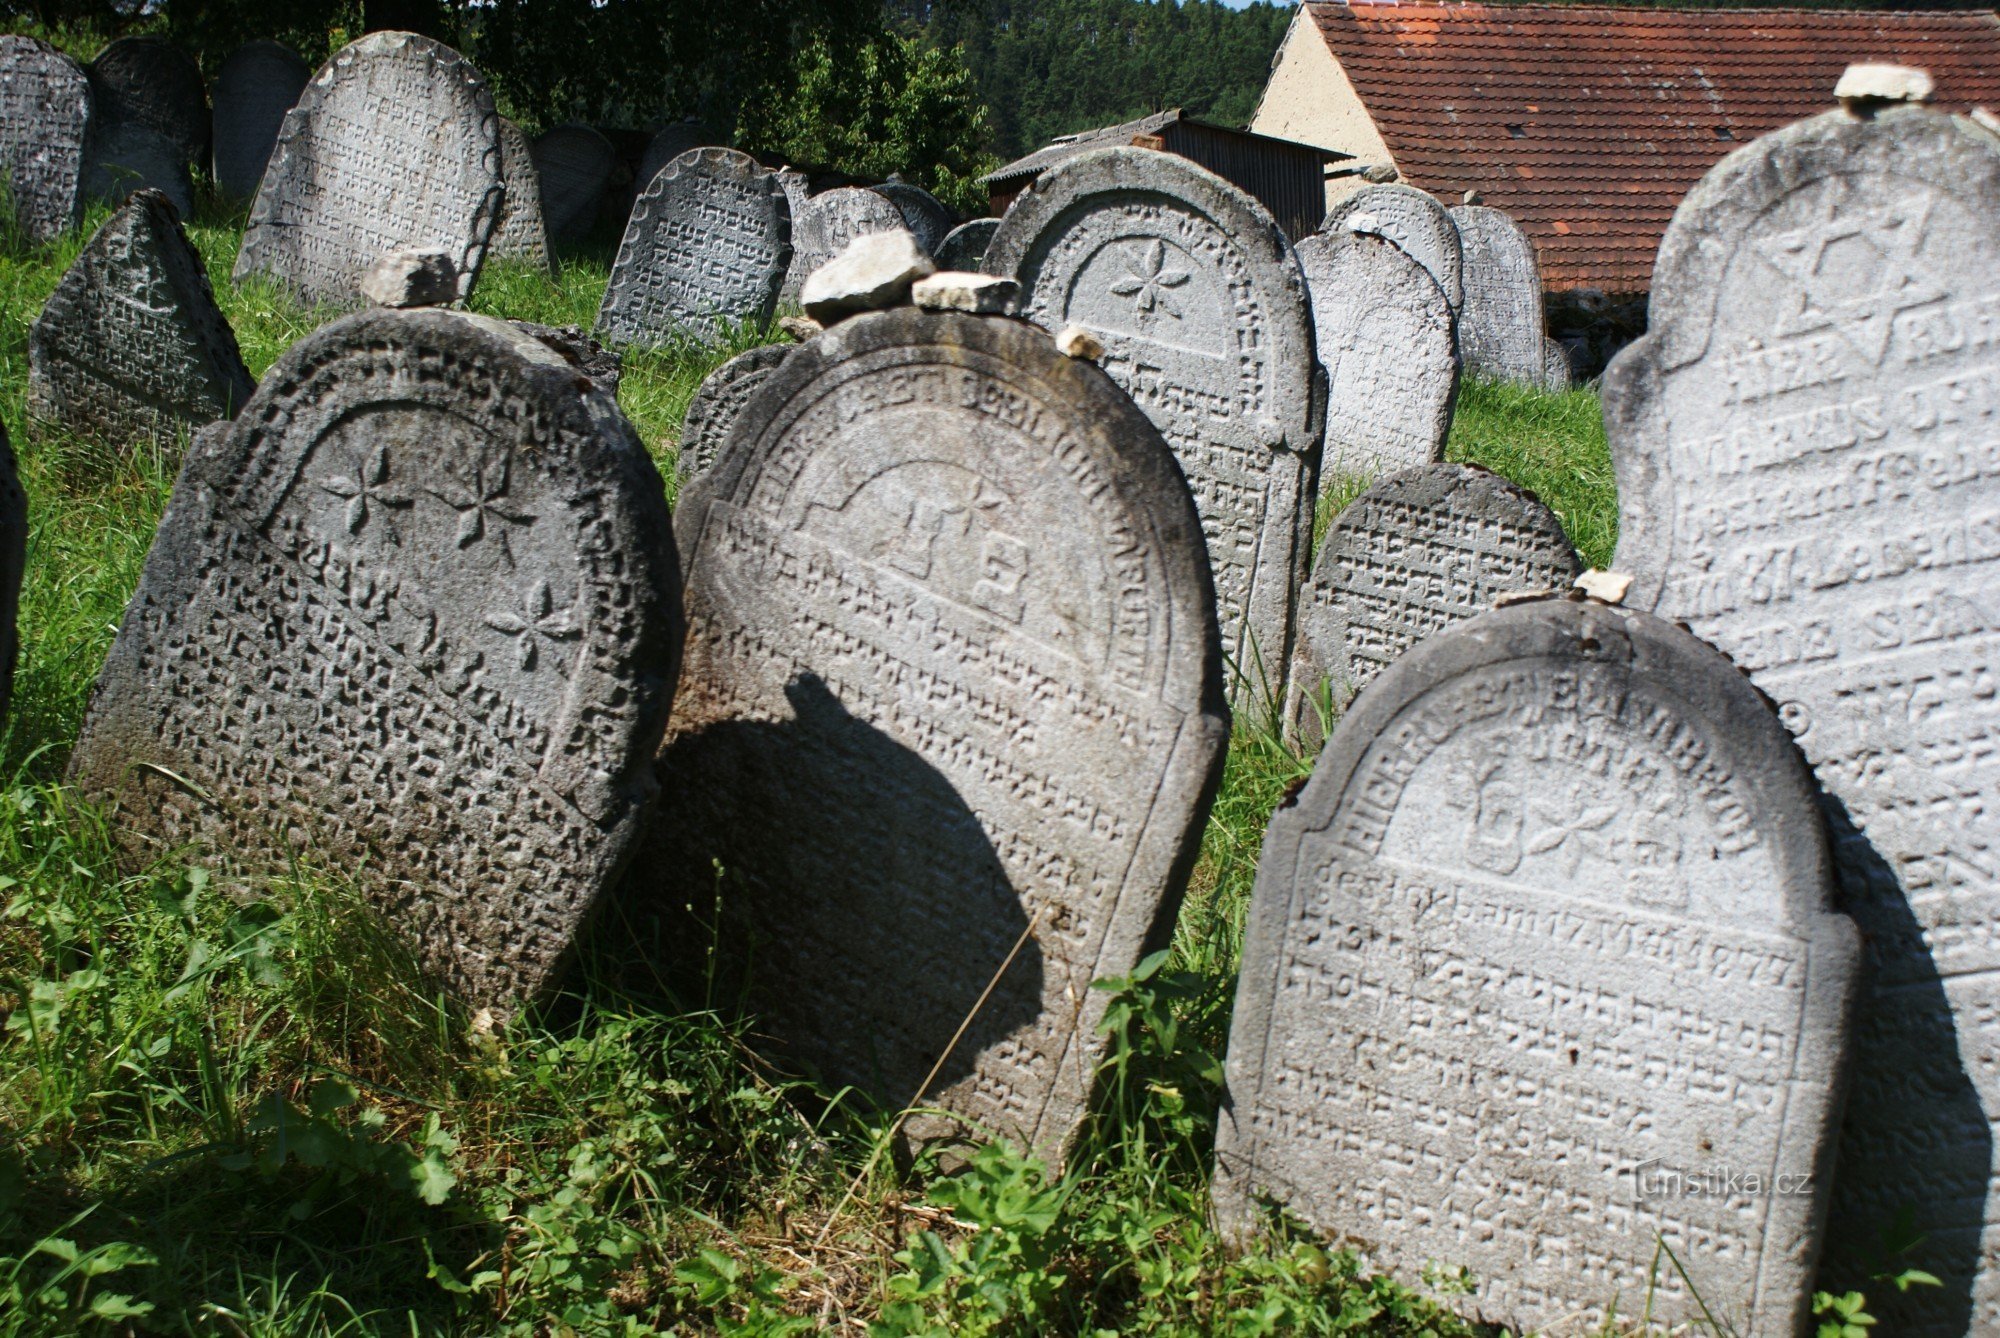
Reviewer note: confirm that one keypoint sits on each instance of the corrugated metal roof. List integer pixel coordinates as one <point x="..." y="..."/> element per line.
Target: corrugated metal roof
<point x="1589" y="123"/>
<point x="1070" y="145"/>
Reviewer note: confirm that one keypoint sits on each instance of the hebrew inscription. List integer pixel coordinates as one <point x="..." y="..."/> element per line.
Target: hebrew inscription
<point x="1414" y="220"/>
<point x="44" y="124"/>
<point x="828" y="222"/>
<point x="151" y="82"/>
<point x="520" y="234"/>
<point x="1500" y="327"/>
<point x="718" y="403"/>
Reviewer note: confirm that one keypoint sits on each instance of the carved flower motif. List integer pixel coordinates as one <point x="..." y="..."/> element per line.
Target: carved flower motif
<point x="478" y="503"/>
<point x="539" y="620"/>
<point x="366" y="488"/>
<point x="1149" y="278"/>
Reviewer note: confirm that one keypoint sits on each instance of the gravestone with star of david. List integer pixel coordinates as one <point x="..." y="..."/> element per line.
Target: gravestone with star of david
<point x="1807" y="445"/>
<point x="1500" y="324"/>
<point x="45" y="123"/>
<point x="1199" y="302"/>
<point x="411" y="618"/>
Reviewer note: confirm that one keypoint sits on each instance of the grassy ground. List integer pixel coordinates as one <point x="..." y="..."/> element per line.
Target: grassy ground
<point x="246" y="1114"/>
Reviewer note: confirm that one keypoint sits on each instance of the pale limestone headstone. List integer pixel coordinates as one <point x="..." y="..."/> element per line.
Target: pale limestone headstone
<point x="411" y="618"/>
<point x="394" y="144"/>
<point x="44" y="127"/>
<point x="965" y="245"/>
<point x="521" y="234"/>
<point x="876" y="270"/>
<point x="706" y="248"/>
<point x="1807" y="478"/>
<point x="1415" y="220"/>
<point x="1501" y="326"/>
<point x="575" y="164"/>
<point x="255" y="87"/>
<point x="950" y="716"/>
<point x="1542" y="971"/>
<point x="1199" y="304"/>
<point x="131" y="345"/>
<point x="827" y="222"/>
<point x="718" y="403"/>
<point x="1557" y="374"/>
<point x="1387" y="342"/>
<point x="923" y="213"/>
<point x="13" y="562"/>
<point x="151" y="82"/>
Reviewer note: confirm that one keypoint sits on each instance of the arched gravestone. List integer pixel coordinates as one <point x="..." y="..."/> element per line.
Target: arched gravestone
<point x="1806" y="462"/>
<point x="708" y="245"/>
<point x="255" y="87"/>
<point x="669" y="144"/>
<point x="13" y="563"/>
<point x="923" y="213"/>
<point x="718" y="403"/>
<point x="131" y="343"/>
<point x="151" y="82"/>
<point x="952" y="702"/>
<point x="1546" y="940"/>
<point x="965" y="245"/>
<point x="1415" y="221"/>
<point x="829" y="221"/>
<point x="1409" y="557"/>
<point x="44" y="126"/>
<point x="1500" y="327"/>
<point x="520" y="234"/>
<point x="1206" y="324"/>
<point x="127" y="156"/>
<point x="1386" y="340"/>
<point x="574" y="163"/>
<point x="393" y="145"/>
<point x="1556" y="372"/>
<point x="412" y="616"/>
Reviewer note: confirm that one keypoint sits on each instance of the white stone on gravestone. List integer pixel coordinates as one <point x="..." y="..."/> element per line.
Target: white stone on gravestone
<point x="1501" y="326"/>
<point x="923" y="213"/>
<point x="1415" y="221"/>
<point x="828" y="222"/>
<point x="45" y="124"/>
<point x="255" y="87"/>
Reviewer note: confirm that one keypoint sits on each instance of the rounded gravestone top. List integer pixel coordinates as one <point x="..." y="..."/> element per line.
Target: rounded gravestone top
<point x="45" y="123"/>
<point x="923" y="213"/>
<point x="829" y="221"/>
<point x="669" y="144"/>
<point x="521" y="234"/>
<point x="575" y="163"/>
<point x="1415" y="220"/>
<point x="718" y="403"/>
<point x="708" y="246"/>
<point x="1501" y="325"/>
<point x="415" y="613"/>
<point x="1198" y="300"/>
<point x="126" y="156"/>
<point x="1557" y="373"/>
<point x="151" y="82"/>
<point x="965" y="245"/>
<point x="1386" y="340"/>
<point x="255" y="87"/>
<point x="394" y="145"/>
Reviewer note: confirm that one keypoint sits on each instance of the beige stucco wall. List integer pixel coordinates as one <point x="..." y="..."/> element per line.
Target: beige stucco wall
<point x="1311" y="100"/>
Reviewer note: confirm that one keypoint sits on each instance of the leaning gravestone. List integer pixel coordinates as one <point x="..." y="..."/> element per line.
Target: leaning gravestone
<point x="393" y="146"/>
<point x="1205" y="322"/>
<point x="413" y="617"/>
<point x="131" y="344"/>
<point x="718" y="403"/>
<point x="1806" y="477"/>
<point x="255" y="87"/>
<point x="965" y="245"/>
<point x="1415" y="221"/>
<point x="708" y="245"/>
<point x="829" y="221"/>
<point x="951" y="712"/>
<point x="1387" y="343"/>
<point x="520" y="234"/>
<point x="1547" y="940"/>
<point x="126" y="156"/>
<point x="669" y="144"/>
<point x="923" y="213"/>
<point x="44" y="127"/>
<point x="1408" y="558"/>
<point x="574" y="163"/>
<point x="1500" y="327"/>
<point x="13" y="563"/>
<point x="151" y="82"/>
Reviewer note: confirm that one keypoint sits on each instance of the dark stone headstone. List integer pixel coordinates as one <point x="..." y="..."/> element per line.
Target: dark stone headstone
<point x="965" y="245"/>
<point x="127" y="156"/>
<point x="520" y="235"/>
<point x="255" y="87"/>
<point x="44" y="127"/>
<point x="575" y="164"/>
<point x="151" y="82"/>
<point x="668" y="145"/>
<point x="1415" y="221"/>
<point x="923" y="213"/>
<point x="718" y="403"/>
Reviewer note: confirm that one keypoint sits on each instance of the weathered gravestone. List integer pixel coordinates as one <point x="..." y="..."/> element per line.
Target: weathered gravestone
<point x="1411" y="556"/>
<point x="1541" y="971"/>
<point x="718" y="403"/>
<point x="1386" y="340"/>
<point x="255" y="87"/>
<point x="951" y="715"/>
<point x="131" y="344"/>
<point x="923" y="213"/>
<point x="669" y="144"/>
<point x="708" y="245"/>
<point x="127" y="156"/>
<point x="44" y="126"/>
<point x="1556" y="371"/>
<point x="1808" y="476"/>
<point x="1200" y="305"/>
<point x="965" y="245"/>
<point x="1415" y="221"/>
<point x="414" y="616"/>
<point x="1500" y="326"/>
<point x="151" y="82"/>
<point x="394" y="145"/>
<point x="575" y="164"/>
<point x="13" y="563"/>
<point x="520" y="234"/>
<point x="829" y="221"/>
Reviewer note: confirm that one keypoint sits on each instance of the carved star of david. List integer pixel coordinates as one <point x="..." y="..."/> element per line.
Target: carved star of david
<point x="366" y="490"/>
<point x="480" y="510"/>
<point x="1861" y="308"/>
<point x="539" y="621"/>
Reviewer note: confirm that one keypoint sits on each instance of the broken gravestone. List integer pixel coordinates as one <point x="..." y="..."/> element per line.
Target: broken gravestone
<point x="1199" y="303"/>
<point x="44" y="126"/>
<point x="718" y="403"/>
<point x="951" y="714"/>
<point x="520" y="234"/>
<point x="965" y="245"/>
<point x="1415" y="221"/>
<point x="706" y="248"/>
<point x="13" y="564"/>
<point x="151" y="82"/>
<point x="829" y="221"/>
<point x="1541" y="973"/>
<point x="1386" y="340"/>
<point x="923" y="213"/>
<point x="131" y="345"/>
<point x="1500" y="327"/>
<point x="575" y="164"/>
<point x="412" y="616"/>
<point x="1806" y="477"/>
<point x="255" y="87"/>
<point x="393" y="145"/>
<point x="1411" y="556"/>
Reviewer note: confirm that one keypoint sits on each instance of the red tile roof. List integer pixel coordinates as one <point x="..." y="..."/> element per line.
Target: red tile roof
<point x="1588" y="124"/>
